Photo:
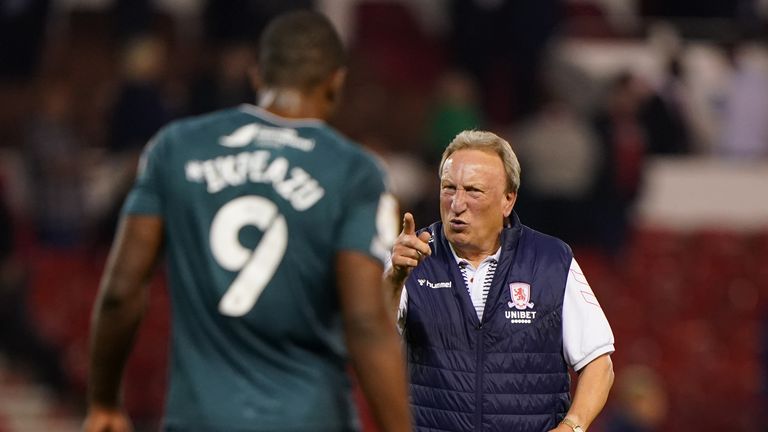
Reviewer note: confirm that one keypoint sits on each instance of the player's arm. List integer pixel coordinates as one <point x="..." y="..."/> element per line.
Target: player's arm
<point x="117" y="314"/>
<point x="374" y="345"/>
<point x="594" y="383"/>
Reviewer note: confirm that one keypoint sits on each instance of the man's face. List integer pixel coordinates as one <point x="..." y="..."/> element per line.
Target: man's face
<point x="473" y="201"/>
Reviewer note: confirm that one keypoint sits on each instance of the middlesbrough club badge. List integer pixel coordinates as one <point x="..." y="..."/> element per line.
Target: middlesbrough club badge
<point x="520" y="293"/>
<point x="520" y="296"/>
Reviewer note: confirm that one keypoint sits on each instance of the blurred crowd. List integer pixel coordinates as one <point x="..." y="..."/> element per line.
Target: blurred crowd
<point x="585" y="90"/>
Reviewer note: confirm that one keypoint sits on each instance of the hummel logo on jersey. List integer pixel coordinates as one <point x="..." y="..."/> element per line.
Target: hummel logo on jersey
<point x="434" y="285"/>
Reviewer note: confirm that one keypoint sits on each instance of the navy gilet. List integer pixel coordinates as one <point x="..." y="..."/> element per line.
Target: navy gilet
<point x="505" y="372"/>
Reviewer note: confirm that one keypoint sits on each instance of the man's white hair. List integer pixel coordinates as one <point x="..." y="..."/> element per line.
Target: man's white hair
<point x="488" y="142"/>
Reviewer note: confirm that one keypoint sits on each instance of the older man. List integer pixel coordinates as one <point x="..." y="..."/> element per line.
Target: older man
<point x="494" y="313"/>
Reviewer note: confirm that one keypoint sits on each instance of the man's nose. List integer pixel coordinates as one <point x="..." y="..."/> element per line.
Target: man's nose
<point x="459" y="202"/>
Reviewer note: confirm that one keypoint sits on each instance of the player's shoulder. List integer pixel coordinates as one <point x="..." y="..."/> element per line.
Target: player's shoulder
<point x="213" y="122"/>
<point x="355" y="164"/>
<point x="356" y="155"/>
<point x="325" y="137"/>
<point x="364" y="164"/>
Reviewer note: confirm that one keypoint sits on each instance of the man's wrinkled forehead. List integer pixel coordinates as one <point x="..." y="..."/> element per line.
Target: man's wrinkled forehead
<point x="447" y="166"/>
<point x="481" y="165"/>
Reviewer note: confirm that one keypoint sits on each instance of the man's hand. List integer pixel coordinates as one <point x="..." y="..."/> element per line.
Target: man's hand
<point x="106" y="420"/>
<point x="408" y="251"/>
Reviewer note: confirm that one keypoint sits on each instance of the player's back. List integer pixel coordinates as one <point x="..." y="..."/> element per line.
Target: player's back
<point x="255" y="208"/>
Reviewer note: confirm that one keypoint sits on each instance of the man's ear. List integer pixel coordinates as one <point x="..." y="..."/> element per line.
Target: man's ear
<point x="509" y="203"/>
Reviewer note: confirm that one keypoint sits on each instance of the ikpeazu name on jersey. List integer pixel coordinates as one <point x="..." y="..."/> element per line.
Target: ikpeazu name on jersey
<point x="292" y="183"/>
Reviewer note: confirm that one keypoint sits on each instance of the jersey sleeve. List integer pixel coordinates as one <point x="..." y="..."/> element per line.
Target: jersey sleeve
<point x="146" y="196"/>
<point x="586" y="332"/>
<point x="369" y="220"/>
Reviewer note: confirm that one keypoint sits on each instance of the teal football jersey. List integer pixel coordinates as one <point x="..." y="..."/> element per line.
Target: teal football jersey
<point x="255" y="209"/>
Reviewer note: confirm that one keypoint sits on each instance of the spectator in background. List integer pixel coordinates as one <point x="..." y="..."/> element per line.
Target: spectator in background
<point x="410" y="180"/>
<point x="563" y="80"/>
<point x="22" y="34"/>
<point x="52" y="153"/>
<point x="501" y="43"/>
<point x="745" y="128"/>
<point x="663" y="115"/>
<point x="131" y="18"/>
<point x="561" y="155"/>
<point x="228" y="84"/>
<point x="690" y="8"/>
<point x="139" y="110"/>
<point x="559" y="147"/>
<point x="20" y="341"/>
<point x="641" y="402"/>
<point x="226" y="21"/>
<point x="456" y="108"/>
<point x="623" y="142"/>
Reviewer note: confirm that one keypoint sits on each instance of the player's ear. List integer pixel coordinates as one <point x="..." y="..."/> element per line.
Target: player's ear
<point x="335" y="83"/>
<point x="255" y="78"/>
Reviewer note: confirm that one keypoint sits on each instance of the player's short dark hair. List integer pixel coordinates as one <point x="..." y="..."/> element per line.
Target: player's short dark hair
<point x="299" y="49"/>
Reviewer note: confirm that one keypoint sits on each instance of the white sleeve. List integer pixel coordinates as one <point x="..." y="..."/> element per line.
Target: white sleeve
<point x="586" y="332"/>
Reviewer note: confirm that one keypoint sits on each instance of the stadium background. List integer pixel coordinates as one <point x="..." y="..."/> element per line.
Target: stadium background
<point x="642" y="126"/>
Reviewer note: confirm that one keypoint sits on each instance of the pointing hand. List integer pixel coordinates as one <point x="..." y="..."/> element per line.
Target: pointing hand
<point x="409" y="250"/>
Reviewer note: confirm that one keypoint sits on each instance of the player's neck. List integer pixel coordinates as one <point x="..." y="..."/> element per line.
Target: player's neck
<point x="291" y="103"/>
